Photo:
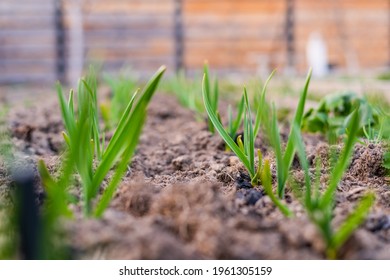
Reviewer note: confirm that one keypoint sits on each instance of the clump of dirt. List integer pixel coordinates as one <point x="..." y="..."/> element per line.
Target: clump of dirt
<point x="36" y="130"/>
<point x="135" y="199"/>
<point x="121" y="236"/>
<point x="367" y="163"/>
<point x="199" y="217"/>
<point x="195" y="213"/>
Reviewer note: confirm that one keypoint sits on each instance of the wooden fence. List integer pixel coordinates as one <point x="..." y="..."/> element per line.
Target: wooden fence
<point x="45" y="40"/>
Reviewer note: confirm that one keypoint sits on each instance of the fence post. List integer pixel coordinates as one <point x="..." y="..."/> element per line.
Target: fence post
<point x="60" y="41"/>
<point x="178" y="35"/>
<point x="290" y="36"/>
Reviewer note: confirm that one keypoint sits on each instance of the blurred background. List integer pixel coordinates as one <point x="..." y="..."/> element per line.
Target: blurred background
<point x="42" y="41"/>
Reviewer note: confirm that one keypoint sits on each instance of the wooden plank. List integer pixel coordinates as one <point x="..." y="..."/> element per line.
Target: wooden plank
<point x="19" y="21"/>
<point x="232" y="6"/>
<point x="228" y="44"/>
<point x="354" y="4"/>
<point x="121" y="33"/>
<point x="44" y="32"/>
<point x="250" y="34"/>
<point x="11" y="62"/>
<point x="130" y="7"/>
<point x="140" y="66"/>
<point x="31" y="41"/>
<point x="26" y="8"/>
<point x="30" y="78"/>
<point x="254" y="19"/>
<point x="129" y="45"/>
<point x="125" y="53"/>
<point x="27" y="70"/>
<point x="122" y="23"/>
<point x="27" y="53"/>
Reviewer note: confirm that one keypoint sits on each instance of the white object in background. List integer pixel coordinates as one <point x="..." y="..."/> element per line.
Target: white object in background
<point x="317" y="55"/>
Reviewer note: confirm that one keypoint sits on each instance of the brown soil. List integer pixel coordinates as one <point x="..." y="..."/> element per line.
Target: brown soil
<point x="185" y="198"/>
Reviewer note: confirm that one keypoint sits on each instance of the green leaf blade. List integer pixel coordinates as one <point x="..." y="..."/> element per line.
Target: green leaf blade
<point x="221" y="130"/>
<point x="353" y="221"/>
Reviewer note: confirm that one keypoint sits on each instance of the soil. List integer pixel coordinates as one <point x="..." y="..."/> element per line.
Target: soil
<point x="184" y="197"/>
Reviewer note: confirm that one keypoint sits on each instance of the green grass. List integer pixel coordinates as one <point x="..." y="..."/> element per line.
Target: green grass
<point x="88" y="155"/>
<point x="385" y="76"/>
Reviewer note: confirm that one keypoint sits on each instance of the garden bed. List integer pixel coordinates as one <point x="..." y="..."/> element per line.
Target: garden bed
<point x="184" y="197"/>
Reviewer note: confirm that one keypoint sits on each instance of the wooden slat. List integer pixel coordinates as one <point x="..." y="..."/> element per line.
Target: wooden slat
<point x="27" y="70"/>
<point x="131" y="7"/>
<point x="26" y="7"/>
<point x="228" y="6"/>
<point x="27" y="78"/>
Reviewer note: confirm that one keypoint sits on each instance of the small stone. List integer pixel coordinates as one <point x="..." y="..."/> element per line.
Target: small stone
<point x="233" y="161"/>
<point x="182" y="162"/>
<point x="216" y="167"/>
<point x="252" y="196"/>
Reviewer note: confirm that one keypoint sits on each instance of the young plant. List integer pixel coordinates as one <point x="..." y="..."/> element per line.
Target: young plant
<point x="243" y="148"/>
<point x="87" y="96"/>
<point x="212" y="96"/>
<point x="188" y="95"/>
<point x="331" y="116"/>
<point x="283" y="159"/>
<point x="266" y="181"/>
<point x="235" y="124"/>
<point x="81" y="138"/>
<point x="122" y="89"/>
<point x="26" y="230"/>
<point x="320" y="206"/>
<point x="55" y="205"/>
<point x="187" y="92"/>
<point x="386" y="160"/>
<point x="244" y="151"/>
<point x="378" y="131"/>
